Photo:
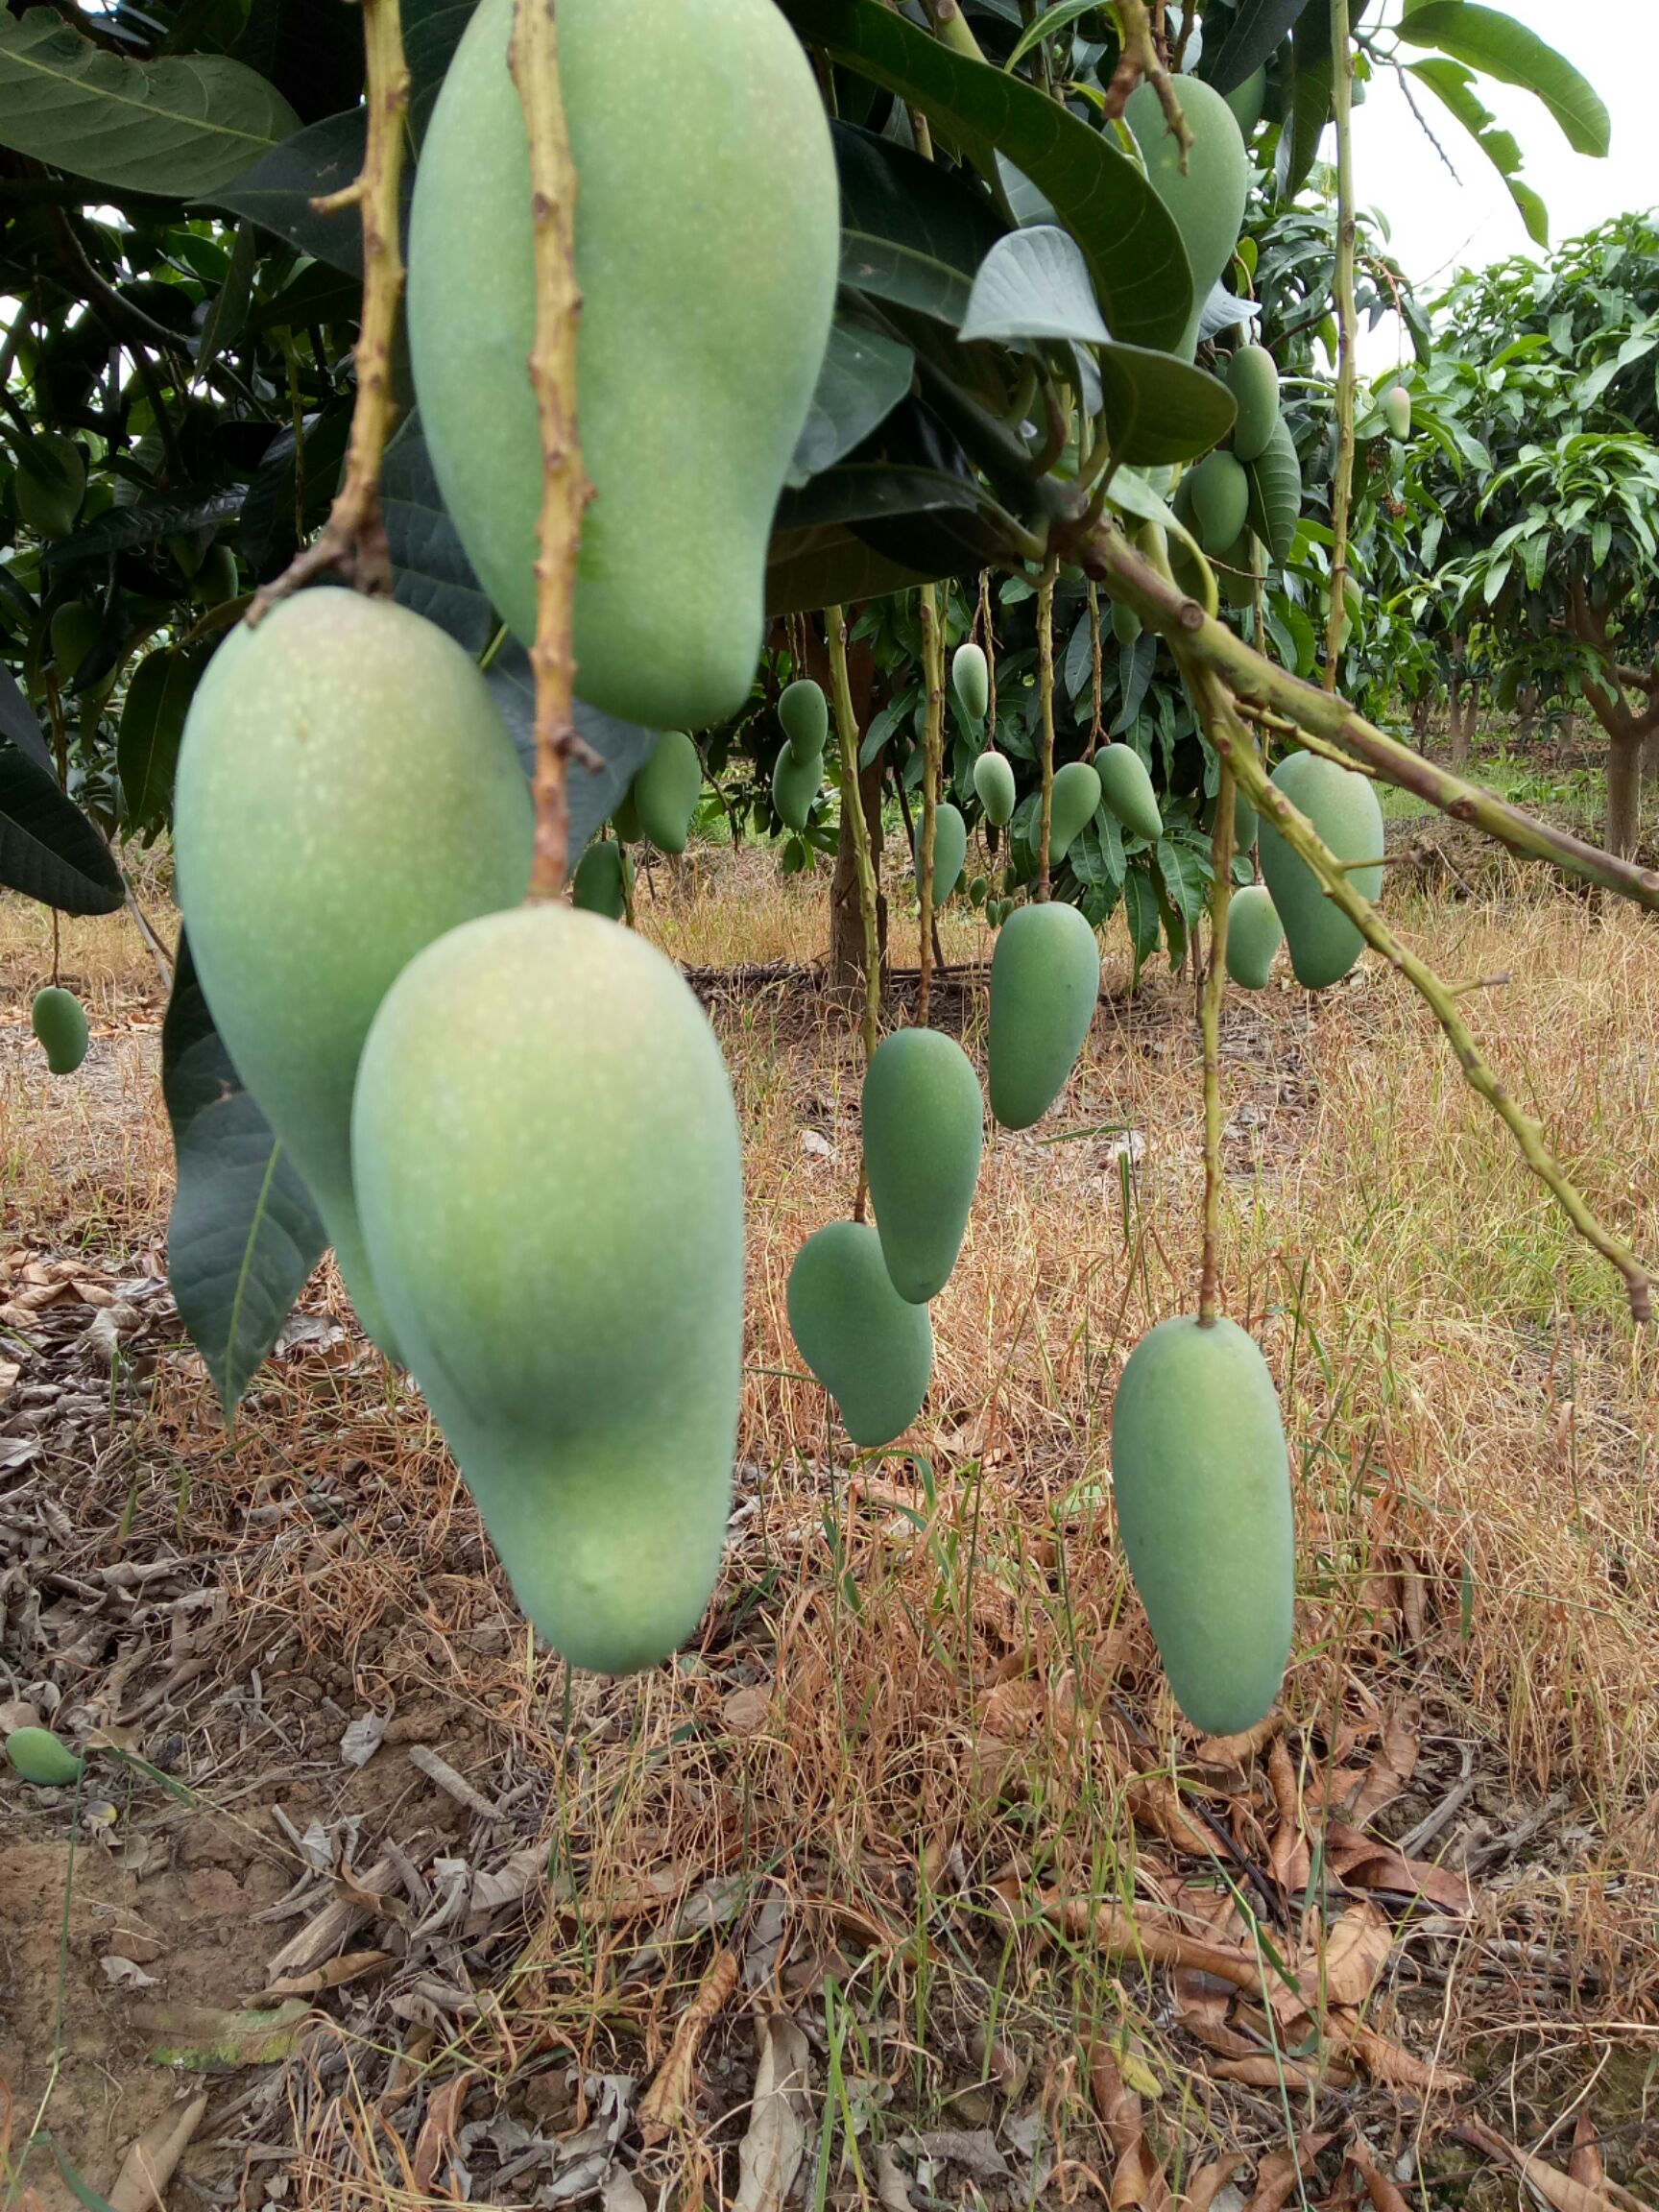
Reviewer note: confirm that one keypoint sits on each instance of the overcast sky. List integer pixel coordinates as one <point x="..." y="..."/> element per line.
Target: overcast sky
<point x="1441" y="222"/>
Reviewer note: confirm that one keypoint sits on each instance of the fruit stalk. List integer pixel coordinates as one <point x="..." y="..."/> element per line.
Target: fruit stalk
<point x="352" y="542"/>
<point x="1045" y="698"/>
<point x="1203" y="641"/>
<point x="1214" y="985"/>
<point x="932" y="749"/>
<point x="1137" y="59"/>
<point x="533" y="60"/>
<point x="1343" y="486"/>
<point x="1232" y="741"/>
<point x="847" y="735"/>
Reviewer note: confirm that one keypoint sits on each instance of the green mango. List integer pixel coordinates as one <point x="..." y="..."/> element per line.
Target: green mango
<point x="1126" y="624"/>
<point x="1276" y="491"/>
<point x="666" y="791"/>
<point x="1202" y="1482"/>
<point x="708" y="248"/>
<point x="216" y="581"/>
<point x="43" y="1758"/>
<point x="58" y="1020"/>
<point x="1238" y="567"/>
<point x="971" y="674"/>
<point x="1206" y="198"/>
<point x="75" y="628"/>
<point x="346" y="792"/>
<point x="1072" y="806"/>
<point x="625" y="819"/>
<point x="550" y="1180"/>
<point x="1248" y="100"/>
<point x="950" y="850"/>
<point x="1252" y="379"/>
<point x="1397" y="411"/>
<point x="1220" y="501"/>
<point x="49" y="482"/>
<point x="923" y="1129"/>
<point x="871" y="1350"/>
<point x="600" y="883"/>
<point x="1126" y="789"/>
<point x="977" y="891"/>
<point x="795" y="787"/>
<point x="1243" y="821"/>
<point x="804" y="713"/>
<point x="1343" y="806"/>
<point x="995" y="788"/>
<point x="1045" y="982"/>
<point x="1254" y="934"/>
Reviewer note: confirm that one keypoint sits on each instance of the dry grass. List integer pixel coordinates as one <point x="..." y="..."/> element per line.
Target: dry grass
<point x="924" y="1694"/>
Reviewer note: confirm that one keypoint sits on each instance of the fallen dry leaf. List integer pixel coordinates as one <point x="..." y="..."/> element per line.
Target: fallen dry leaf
<point x="1356" y="1952"/>
<point x="892" y="2188"/>
<point x="1383" y="2192"/>
<point x="437" y="2136"/>
<point x="152" y="2161"/>
<point x="1279" y="2171"/>
<point x="1207" y="2184"/>
<point x="1137" y="2179"/>
<point x="1156" y="1804"/>
<point x="334" y="1974"/>
<point x="1386" y="2062"/>
<point x="746" y="1711"/>
<point x="775" y="2140"/>
<point x="1394" y="1764"/>
<point x="663" y="2103"/>
<point x="1585" y="2164"/>
<point x="1557" y="2189"/>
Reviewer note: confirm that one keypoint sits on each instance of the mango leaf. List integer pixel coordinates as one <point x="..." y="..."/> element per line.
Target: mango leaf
<point x="1307" y="90"/>
<point x="1128" y="238"/>
<point x="277" y="190"/>
<point x="207" y="2040"/>
<point x="1257" y="30"/>
<point x="622" y="747"/>
<point x="48" y="849"/>
<point x="863" y="378"/>
<point x="911" y="232"/>
<point x="17" y="722"/>
<point x="1497" y="46"/>
<point x="151" y="724"/>
<point x="431" y="33"/>
<point x="1160" y="410"/>
<point x="1047" y="23"/>
<point x="1454" y="86"/>
<point x="1034" y="284"/>
<point x="825" y="565"/>
<point x="146" y="522"/>
<point x="180" y="128"/>
<point x="244" y="1233"/>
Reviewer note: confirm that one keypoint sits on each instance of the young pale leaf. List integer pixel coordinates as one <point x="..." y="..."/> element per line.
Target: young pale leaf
<point x="1034" y="284"/>
<point x="181" y="128"/>
<point x="244" y="1233"/>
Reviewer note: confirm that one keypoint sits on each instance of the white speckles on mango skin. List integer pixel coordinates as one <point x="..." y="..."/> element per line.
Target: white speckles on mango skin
<point x="550" y="1181"/>
<point x="707" y="234"/>
<point x="346" y="792"/>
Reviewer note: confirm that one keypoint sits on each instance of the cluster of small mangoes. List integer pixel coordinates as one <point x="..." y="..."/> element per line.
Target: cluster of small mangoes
<point x="658" y="808"/>
<point x="798" y="771"/>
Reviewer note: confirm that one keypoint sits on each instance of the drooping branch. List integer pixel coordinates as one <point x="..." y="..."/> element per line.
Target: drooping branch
<point x="534" y="58"/>
<point x="1227" y="734"/>
<point x="933" y="752"/>
<point x="1204" y="641"/>
<point x="1342" y="483"/>
<point x="951" y="27"/>
<point x="353" y="539"/>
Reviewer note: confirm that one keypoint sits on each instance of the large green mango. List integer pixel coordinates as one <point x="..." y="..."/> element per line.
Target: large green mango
<point x="708" y="245"/>
<point x="924" y="1128"/>
<point x="1203" y="1490"/>
<point x="1254" y="935"/>
<point x="75" y="628"/>
<point x="58" y="1020"/>
<point x="1126" y="790"/>
<point x="550" y="1181"/>
<point x="346" y="792"/>
<point x="1206" y="198"/>
<point x="872" y="1351"/>
<point x="1045" y="982"/>
<point x="950" y="850"/>
<point x="1073" y="804"/>
<point x="666" y="791"/>
<point x="971" y="675"/>
<point x="1252" y="379"/>
<point x="994" y="782"/>
<point x="1220" y="501"/>
<point x="1343" y="806"/>
<point x="43" y="1758"/>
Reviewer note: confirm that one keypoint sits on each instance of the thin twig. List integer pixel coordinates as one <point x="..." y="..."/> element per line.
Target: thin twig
<point x="1138" y="58"/>
<point x="1215" y="984"/>
<point x="534" y="59"/>
<point x="1342" y="484"/>
<point x="1045" y="696"/>
<point x="933" y="750"/>
<point x="853" y="815"/>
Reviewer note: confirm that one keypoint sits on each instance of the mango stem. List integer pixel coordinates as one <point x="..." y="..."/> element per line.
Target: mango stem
<point x="933" y="752"/>
<point x="1342" y="483"/>
<point x="853" y="797"/>
<point x="1214" y="985"/>
<point x="1046" y="699"/>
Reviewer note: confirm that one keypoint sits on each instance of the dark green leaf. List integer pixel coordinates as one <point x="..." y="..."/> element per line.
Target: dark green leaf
<point x="1145" y="926"/>
<point x="278" y="190"/>
<point x="621" y="746"/>
<point x="228" y="314"/>
<point x="147" y="521"/>
<point x="433" y="575"/>
<point x="151" y="724"/>
<point x="826" y="567"/>
<point x="863" y="378"/>
<point x="17" y="722"/>
<point x="1257" y="30"/>
<point x="1127" y="235"/>
<point x="1497" y="46"/>
<point x="1158" y="409"/>
<point x="911" y="232"/>
<point x="48" y="849"/>
<point x="181" y="128"/>
<point x="244" y="1233"/>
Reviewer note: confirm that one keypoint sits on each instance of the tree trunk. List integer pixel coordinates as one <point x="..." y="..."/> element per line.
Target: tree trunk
<point x="1623" y="794"/>
<point x="1421" y="711"/>
<point x="1526" y="725"/>
<point x="1650" y="759"/>
<point x="846" y="923"/>
<point x="1460" y="721"/>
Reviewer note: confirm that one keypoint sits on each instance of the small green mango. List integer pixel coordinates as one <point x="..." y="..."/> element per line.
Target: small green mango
<point x="804" y="713"/>
<point x="795" y="787"/>
<point x="625" y="819"/>
<point x="871" y="1350"/>
<point x="971" y="674"/>
<point x="1202" y="1482"/>
<point x="923" y="1129"/>
<point x="995" y="788"/>
<point x="1397" y="411"/>
<point x="1220" y="501"/>
<point x="666" y="791"/>
<point x="1342" y="808"/>
<point x="1243" y="821"/>
<point x="1254" y="934"/>
<point x="1248" y="100"/>
<point x="977" y="889"/>
<point x="1074" y="804"/>
<point x="216" y="581"/>
<point x="550" y="1181"/>
<point x="697" y="361"/>
<point x="75" y="628"/>
<point x="1126" y="789"/>
<point x="1206" y="197"/>
<point x="1045" y="982"/>
<point x="1252" y="379"/>
<point x="49" y="482"/>
<point x="346" y="792"/>
<point x="950" y="850"/>
<point x="1126" y="624"/>
<point x="43" y="1758"/>
<point x="60" y="1022"/>
<point x="600" y="883"/>
<point x="1276" y="491"/>
<point x="1239" y="569"/>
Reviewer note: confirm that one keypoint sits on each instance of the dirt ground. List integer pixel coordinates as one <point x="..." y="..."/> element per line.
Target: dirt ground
<point x="905" y="1884"/>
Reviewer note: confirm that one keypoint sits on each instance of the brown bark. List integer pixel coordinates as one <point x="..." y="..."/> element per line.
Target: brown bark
<point x="846" y="922"/>
<point x="1623" y="794"/>
<point x="1628" y="729"/>
<point x="1460" y="719"/>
